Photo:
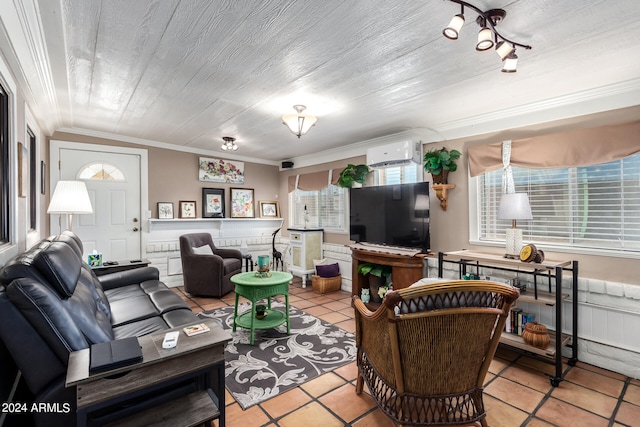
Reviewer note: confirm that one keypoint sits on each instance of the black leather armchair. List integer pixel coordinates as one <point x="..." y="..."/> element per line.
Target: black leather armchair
<point x="207" y="273"/>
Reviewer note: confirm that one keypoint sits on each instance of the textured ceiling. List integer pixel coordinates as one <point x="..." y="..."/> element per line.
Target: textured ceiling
<point x="190" y="72"/>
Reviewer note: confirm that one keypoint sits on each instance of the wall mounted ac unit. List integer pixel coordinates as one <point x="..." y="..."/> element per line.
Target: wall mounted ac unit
<point x="395" y="154"/>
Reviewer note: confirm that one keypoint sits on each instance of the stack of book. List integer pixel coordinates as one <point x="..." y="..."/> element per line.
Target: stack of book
<point x="516" y="320"/>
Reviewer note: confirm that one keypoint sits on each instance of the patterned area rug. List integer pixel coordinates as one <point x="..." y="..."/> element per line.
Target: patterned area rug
<point x="278" y="362"/>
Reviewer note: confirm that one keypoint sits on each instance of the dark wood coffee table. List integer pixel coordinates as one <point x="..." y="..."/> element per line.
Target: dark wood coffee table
<point x="198" y="357"/>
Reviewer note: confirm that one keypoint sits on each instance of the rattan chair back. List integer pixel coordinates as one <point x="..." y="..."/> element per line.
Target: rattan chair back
<point x="424" y="353"/>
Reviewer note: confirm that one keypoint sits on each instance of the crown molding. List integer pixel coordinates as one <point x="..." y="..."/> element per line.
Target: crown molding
<point x="163" y="145"/>
<point x="597" y="100"/>
<point x="29" y="58"/>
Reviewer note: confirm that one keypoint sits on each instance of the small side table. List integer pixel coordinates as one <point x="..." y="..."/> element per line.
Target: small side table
<point x="248" y="262"/>
<point x="255" y="288"/>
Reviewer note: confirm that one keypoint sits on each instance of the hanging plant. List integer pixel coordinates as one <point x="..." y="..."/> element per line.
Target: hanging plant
<point x="440" y="162"/>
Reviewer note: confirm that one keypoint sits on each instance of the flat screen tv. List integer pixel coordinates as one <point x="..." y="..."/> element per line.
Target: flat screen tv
<point x="391" y="215"/>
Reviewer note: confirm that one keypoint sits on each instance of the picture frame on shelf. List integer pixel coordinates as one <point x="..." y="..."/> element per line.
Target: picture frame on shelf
<point x="242" y="205"/>
<point x="187" y="209"/>
<point x="165" y="210"/>
<point x="269" y="209"/>
<point x="213" y="203"/>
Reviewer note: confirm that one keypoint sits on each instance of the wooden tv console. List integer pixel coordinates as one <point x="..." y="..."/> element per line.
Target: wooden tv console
<point x="405" y="269"/>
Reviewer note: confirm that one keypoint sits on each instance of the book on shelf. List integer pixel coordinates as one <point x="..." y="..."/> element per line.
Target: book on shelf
<point x="517" y="319"/>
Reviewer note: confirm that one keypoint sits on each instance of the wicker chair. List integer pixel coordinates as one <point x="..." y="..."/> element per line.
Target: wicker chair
<point x="425" y="351"/>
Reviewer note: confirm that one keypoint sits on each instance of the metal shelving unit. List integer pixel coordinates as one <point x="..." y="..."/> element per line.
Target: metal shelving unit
<point x="550" y="270"/>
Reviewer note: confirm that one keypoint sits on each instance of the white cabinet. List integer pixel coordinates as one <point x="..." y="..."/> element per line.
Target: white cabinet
<point x="305" y="245"/>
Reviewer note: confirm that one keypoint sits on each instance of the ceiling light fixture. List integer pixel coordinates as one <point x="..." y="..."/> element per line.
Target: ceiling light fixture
<point x="510" y="63"/>
<point x="229" y="144"/>
<point x="299" y="123"/>
<point x="488" y="35"/>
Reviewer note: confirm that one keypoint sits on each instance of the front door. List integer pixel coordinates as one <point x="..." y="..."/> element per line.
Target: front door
<point x="114" y="186"/>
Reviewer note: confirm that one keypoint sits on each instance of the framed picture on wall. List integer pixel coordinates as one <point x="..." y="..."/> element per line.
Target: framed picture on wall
<point x="213" y="203"/>
<point x="242" y="203"/>
<point x="269" y="209"/>
<point x="187" y="209"/>
<point x="165" y="210"/>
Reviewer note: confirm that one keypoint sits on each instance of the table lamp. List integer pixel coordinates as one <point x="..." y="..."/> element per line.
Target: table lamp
<point x="514" y="206"/>
<point x="70" y="197"/>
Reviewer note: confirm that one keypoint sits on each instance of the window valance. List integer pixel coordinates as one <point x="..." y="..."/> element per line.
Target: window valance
<point x="580" y="147"/>
<point x="313" y="181"/>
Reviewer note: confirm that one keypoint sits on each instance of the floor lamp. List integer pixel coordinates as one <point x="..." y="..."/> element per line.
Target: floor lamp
<point x="70" y="197"/>
<point x="514" y="206"/>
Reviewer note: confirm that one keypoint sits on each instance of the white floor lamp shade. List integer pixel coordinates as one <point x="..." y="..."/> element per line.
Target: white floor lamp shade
<point x="70" y="197"/>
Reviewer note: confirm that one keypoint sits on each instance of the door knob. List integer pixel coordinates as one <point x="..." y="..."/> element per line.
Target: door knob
<point x="135" y="228"/>
<point x="135" y="219"/>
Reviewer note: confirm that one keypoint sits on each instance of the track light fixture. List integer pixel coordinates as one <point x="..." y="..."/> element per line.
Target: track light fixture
<point x="488" y="36"/>
<point x="229" y="144"/>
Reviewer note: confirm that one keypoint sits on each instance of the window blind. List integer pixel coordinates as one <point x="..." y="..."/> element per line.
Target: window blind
<point x="326" y="208"/>
<point x="594" y="206"/>
<point x="398" y="174"/>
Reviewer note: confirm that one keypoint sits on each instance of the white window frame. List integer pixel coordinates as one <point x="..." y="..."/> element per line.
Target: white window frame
<point x="474" y="232"/>
<point x="297" y="221"/>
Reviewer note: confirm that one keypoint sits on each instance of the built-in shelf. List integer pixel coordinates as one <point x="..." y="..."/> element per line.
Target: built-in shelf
<point x="220" y="228"/>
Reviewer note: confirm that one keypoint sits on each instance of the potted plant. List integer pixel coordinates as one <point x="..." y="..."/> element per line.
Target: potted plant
<point x="353" y="174"/>
<point x="377" y="277"/>
<point x="439" y="162"/>
<point x="261" y="311"/>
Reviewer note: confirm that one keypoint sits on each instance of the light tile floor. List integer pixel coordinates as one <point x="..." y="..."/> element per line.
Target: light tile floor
<point x="517" y="391"/>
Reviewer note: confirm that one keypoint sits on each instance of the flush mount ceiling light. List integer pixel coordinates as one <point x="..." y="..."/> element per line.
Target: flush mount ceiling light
<point x="229" y="144"/>
<point x="488" y="36"/>
<point x="299" y="123"/>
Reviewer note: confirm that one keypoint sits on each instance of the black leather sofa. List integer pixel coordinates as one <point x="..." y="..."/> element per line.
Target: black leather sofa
<point x="52" y="304"/>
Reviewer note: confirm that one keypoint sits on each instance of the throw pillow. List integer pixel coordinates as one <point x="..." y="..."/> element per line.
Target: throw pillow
<point x="203" y="250"/>
<point x="328" y="270"/>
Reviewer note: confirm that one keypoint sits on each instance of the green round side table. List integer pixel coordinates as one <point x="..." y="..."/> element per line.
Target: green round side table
<point x="255" y="288"/>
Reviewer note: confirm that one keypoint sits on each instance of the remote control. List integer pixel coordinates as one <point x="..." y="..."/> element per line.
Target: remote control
<point x="170" y="339"/>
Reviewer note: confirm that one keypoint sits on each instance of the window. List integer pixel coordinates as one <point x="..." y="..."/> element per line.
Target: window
<point x="32" y="179"/>
<point x="326" y="208"/>
<point x="590" y="207"/>
<point x="398" y="175"/>
<point x="101" y="172"/>
<point x="4" y="166"/>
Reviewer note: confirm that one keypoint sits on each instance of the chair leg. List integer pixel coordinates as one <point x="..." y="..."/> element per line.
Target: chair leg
<point x="484" y="423"/>
<point x="359" y="383"/>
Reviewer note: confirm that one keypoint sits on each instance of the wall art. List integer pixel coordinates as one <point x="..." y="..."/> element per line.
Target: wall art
<point x="242" y="203"/>
<point x="220" y="170"/>
<point x="187" y="209"/>
<point x="269" y="209"/>
<point x="213" y="203"/>
<point x="165" y="210"/>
